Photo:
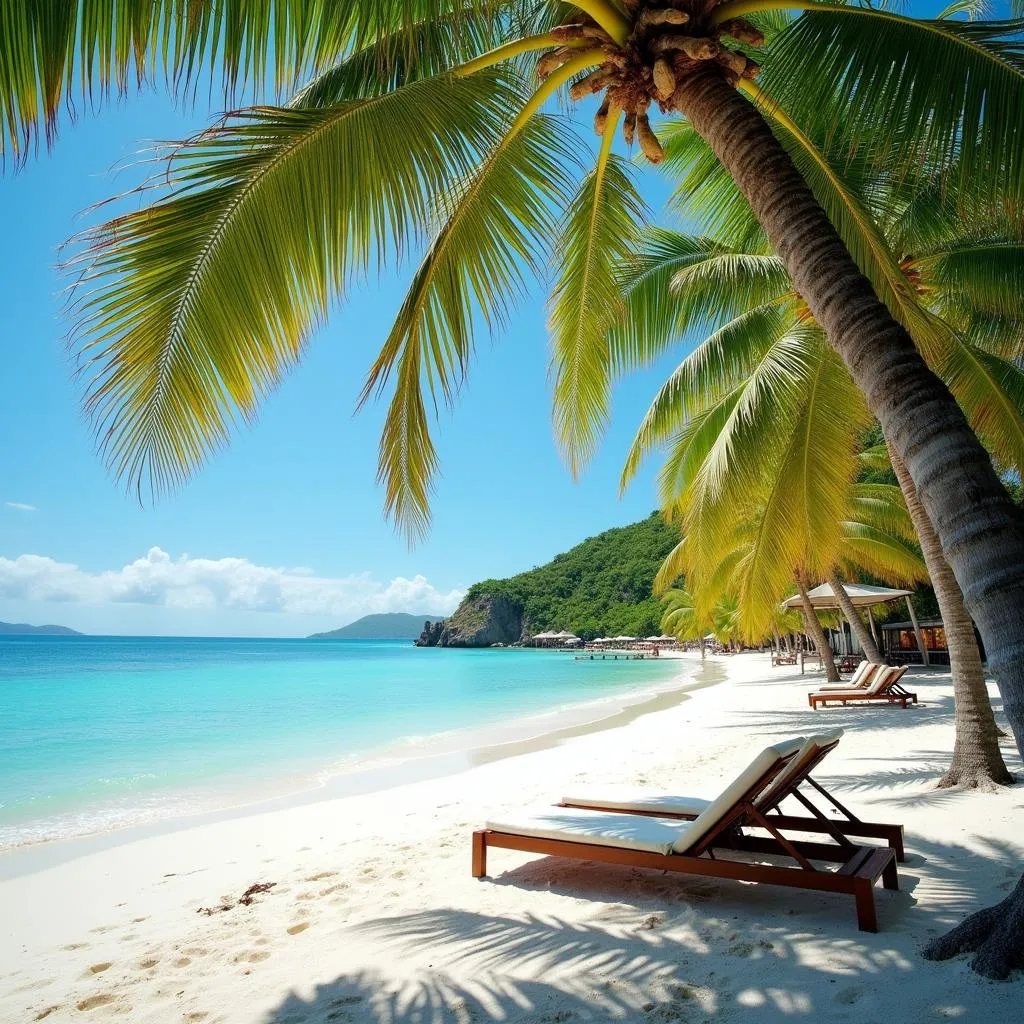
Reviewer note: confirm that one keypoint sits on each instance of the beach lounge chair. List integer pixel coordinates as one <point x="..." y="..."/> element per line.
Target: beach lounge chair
<point x="696" y="847"/>
<point x="860" y="679"/>
<point x="797" y="772"/>
<point x="883" y="689"/>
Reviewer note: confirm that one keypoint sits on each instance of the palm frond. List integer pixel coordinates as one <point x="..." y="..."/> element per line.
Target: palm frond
<point x="719" y="366"/>
<point x="886" y="89"/>
<point x="704" y="185"/>
<point x="991" y="393"/>
<point x="677" y="281"/>
<point x="190" y="311"/>
<point x="54" y="53"/>
<point x="406" y="54"/>
<point x="882" y="507"/>
<point x="496" y="228"/>
<point x="599" y="233"/>
<point x="807" y="492"/>
<point x="984" y="275"/>
<point x="871" y="549"/>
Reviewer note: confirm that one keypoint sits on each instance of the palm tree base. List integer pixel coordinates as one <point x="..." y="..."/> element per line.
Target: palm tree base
<point x="995" y="935"/>
<point x="985" y="778"/>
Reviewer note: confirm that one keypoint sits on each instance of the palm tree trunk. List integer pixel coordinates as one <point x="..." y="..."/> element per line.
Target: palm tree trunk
<point x="864" y="637"/>
<point x="816" y="632"/>
<point x="977" y="761"/>
<point x="980" y="530"/>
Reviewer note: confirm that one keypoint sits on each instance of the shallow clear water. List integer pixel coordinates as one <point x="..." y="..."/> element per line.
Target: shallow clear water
<point x="104" y="732"/>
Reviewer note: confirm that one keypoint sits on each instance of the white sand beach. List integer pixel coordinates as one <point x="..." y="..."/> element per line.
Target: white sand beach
<point x="374" y="916"/>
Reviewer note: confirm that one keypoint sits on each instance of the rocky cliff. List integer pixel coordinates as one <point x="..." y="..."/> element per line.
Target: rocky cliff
<point x="480" y="621"/>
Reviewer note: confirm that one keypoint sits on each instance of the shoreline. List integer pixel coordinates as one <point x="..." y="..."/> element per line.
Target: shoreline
<point x="395" y="764"/>
<point x="369" y="913"/>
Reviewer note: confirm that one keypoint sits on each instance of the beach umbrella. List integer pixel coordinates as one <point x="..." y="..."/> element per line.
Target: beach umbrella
<point x="625" y="638"/>
<point x="655" y="638"/>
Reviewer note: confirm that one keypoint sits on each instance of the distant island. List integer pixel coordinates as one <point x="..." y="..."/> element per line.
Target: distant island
<point x="387" y="626"/>
<point x="601" y="587"/>
<point x="23" y="629"/>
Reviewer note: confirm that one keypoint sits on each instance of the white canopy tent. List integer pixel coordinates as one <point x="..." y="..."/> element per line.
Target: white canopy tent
<point x="862" y="596"/>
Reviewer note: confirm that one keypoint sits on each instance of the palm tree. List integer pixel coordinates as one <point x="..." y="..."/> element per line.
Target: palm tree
<point x="681" y="619"/>
<point x="872" y="530"/>
<point x="939" y="259"/>
<point x="416" y="123"/>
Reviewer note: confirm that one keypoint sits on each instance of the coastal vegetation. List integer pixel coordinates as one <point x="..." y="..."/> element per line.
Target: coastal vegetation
<point x="418" y="125"/>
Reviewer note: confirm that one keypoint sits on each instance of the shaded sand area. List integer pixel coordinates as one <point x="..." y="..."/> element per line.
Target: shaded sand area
<point x="373" y="915"/>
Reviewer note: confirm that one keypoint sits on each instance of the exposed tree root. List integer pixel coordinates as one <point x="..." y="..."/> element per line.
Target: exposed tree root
<point x="995" y="935"/>
<point x="984" y="778"/>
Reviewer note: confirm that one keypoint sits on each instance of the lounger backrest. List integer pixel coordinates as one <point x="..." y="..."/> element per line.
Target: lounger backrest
<point x="872" y="670"/>
<point x="897" y="674"/>
<point x="857" y="679"/>
<point x="745" y="787"/>
<point x="798" y="768"/>
<point x="883" y="679"/>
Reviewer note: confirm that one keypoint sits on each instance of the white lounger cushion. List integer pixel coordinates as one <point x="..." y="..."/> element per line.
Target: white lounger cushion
<point x="570" y="824"/>
<point x="877" y="683"/>
<point x="647" y="801"/>
<point x="637" y="832"/>
<point x="637" y="798"/>
<point x="724" y="802"/>
<point x="857" y="680"/>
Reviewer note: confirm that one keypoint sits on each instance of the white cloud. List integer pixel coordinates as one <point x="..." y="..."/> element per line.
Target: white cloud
<point x="187" y="583"/>
<point x="21" y="506"/>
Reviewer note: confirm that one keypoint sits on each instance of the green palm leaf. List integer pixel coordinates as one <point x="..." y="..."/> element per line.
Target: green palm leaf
<point x="716" y="368"/>
<point x="677" y="281"/>
<point x="496" y="226"/>
<point x="52" y="51"/>
<point x="886" y="94"/>
<point x="985" y="275"/>
<point x="600" y="231"/>
<point x="407" y="54"/>
<point x="193" y="309"/>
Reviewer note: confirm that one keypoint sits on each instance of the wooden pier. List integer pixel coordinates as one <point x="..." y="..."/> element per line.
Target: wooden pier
<point x="622" y="656"/>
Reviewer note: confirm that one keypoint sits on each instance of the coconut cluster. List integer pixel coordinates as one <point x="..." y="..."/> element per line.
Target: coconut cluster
<point x="670" y="40"/>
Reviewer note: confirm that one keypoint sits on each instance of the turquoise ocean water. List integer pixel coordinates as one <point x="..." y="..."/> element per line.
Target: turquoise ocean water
<point x="99" y="733"/>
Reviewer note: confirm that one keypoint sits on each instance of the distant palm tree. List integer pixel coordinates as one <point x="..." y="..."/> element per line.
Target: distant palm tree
<point x="846" y="528"/>
<point x="418" y="122"/>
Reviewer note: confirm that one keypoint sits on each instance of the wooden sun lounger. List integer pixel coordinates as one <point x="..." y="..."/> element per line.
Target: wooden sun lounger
<point x="885" y="689"/>
<point x="858" y="867"/>
<point x="786" y="784"/>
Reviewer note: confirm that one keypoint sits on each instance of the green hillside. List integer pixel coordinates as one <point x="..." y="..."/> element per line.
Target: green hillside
<point x="24" y="629"/>
<point x="385" y="626"/>
<point x="601" y="587"/>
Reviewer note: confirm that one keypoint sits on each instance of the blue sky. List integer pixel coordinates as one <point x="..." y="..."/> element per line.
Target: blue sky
<point x="283" y="533"/>
<point x="299" y="489"/>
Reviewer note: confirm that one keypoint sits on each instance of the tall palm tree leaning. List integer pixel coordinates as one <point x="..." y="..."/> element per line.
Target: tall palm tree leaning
<point x="197" y="305"/>
<point x="948" y="263"/>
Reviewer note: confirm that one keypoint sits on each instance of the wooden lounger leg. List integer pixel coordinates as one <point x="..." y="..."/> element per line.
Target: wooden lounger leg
<point x="895" y="838"/>
<point x="864" y="894"/>
<point x="890" y="877"/>
<point x="479" y="854"/>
